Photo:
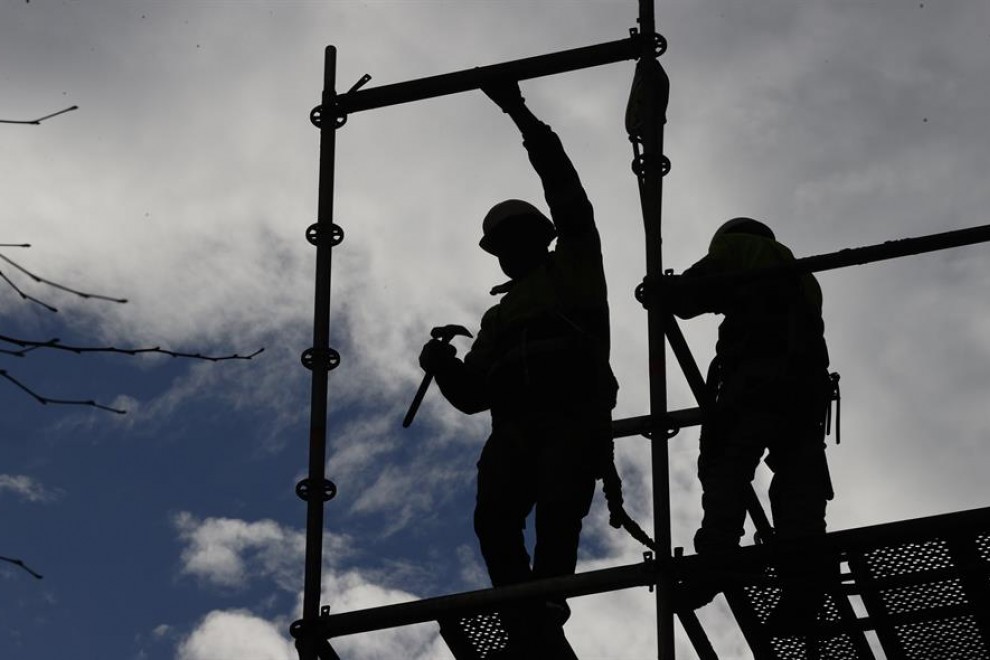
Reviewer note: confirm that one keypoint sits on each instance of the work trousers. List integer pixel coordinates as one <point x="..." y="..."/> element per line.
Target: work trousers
<point x="546" y="460"/>
<point x="760" y="410"/>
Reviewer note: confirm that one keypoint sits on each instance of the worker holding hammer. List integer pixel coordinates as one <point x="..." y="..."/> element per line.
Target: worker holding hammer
<point x="540" y="363"/>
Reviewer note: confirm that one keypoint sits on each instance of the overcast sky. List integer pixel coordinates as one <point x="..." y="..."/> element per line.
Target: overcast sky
<point x="185" y="182"/>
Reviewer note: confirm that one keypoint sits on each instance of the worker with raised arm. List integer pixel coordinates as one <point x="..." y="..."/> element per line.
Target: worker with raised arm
<point x="540" y="363"/>
<point x="771" y="384"/>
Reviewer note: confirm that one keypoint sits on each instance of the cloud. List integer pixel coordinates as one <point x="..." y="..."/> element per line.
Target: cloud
<point x="27" y="488"/>
<point x="226" y="553"/>
<point x="229" y="553"/>
<point x="223" y="634"/>
<point x="235" y="635"/>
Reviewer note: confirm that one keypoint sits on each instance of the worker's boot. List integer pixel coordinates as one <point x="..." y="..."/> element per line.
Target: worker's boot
<point x="805" y="578"/>
<point x="700" y="589"/>
<point x="553" y="642"/>
<point x="521" y="624"/>
<point x="536" y="632"/>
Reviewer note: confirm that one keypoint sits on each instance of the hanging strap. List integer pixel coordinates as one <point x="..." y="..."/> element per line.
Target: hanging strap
<point x="617" y="516"/>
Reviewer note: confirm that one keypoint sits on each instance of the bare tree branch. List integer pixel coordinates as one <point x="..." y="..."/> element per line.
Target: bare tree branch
<point x="18" y="562"/>
<point x="44" y="400"/>
<point x="56" y="344"/>
<point x="25" y="296"/>
<point x="28" y="345"/>
<point x="35" y="122"/>
<point x="56" y="285"/>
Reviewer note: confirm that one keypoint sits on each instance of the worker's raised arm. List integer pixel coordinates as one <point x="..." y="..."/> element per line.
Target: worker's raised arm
<point x="570" y="209"/>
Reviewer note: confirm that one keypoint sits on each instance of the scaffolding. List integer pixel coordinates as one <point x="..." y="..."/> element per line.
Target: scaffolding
<point x="920" y="586"/>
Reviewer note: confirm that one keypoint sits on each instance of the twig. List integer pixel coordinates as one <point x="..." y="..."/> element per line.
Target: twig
<point x="29" y="345"/>
<point x="44" y="400"/>
<point x="56" y="344"/>
<point x="18" y="562"/>
<point x="26" y="296"/>
<point x="56" y="285"/>
<point x="35" y="122"/>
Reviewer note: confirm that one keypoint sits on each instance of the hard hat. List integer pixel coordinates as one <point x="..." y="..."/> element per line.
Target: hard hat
<point x="744" y="226"/>
<point x="497" y="220"/>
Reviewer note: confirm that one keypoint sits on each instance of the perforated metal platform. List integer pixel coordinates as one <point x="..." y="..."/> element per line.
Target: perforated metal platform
<point x="921" y="586"/>
<point x="479" y="636"/>
<point x="483" y="637"/>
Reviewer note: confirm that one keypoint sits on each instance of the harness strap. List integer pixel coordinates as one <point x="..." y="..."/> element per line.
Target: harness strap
<point x="617" y="516"/>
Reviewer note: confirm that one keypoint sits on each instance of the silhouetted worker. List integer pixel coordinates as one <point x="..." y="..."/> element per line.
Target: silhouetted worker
<point x="771" y="384"/>
<point x="540" y="363"/>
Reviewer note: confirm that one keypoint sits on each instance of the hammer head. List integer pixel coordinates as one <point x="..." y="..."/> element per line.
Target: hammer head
<point x="445" y="333"/>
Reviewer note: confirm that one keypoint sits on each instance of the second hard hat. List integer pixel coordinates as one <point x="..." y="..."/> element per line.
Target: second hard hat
<point x="744" y="225"/>
<point x="510" y="213"/>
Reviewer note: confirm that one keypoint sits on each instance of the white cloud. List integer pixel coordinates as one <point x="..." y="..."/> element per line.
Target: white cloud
<point x="353" y="590"/>
<point x="27" y="488"/>
<point x="217" y="553"/>
<point x="236" y="635"/>
<point x="227" y="552"/>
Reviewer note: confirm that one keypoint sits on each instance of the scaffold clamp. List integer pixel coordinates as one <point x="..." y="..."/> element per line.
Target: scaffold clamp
<point x="308" y="641"/>
<point x="305" y="490"/>
<point x="317" y="234"/>
<point x="327" y="358"/>
<point x="659" y="41"/>
<point x="339" y="116"/>
<point x="642" y="164"/>
<point x="649" y="560"/>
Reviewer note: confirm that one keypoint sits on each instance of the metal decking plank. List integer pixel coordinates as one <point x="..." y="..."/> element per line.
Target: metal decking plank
<point x="868" y="591"/>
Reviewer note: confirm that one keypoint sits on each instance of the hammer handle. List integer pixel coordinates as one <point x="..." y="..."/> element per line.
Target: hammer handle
<point x="418" y="399"/>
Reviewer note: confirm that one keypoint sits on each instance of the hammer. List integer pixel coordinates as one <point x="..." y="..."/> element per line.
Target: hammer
<point x="443" y="333"/>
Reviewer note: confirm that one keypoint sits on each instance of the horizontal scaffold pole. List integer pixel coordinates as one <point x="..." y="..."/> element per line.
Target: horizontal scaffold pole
<point x="903" y="247"/>
<point x="642" y="425"/>
<point x="468" y="79"/>
<point x="487" y="600"/>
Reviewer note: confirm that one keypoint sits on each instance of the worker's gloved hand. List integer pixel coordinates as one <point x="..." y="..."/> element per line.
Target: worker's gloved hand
<point x="505" y="94"/>
<point x="436" y="355"/>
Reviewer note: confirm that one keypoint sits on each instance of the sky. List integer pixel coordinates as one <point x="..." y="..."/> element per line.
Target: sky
<point x="185" y="182"/>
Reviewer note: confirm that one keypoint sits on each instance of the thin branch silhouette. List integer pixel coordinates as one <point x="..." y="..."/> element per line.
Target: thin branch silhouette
<point x="18" y="562"/>
<point x="56" y="344"/>
<point x="25" y="346"/>
<point x="44" y="400"/>
<point x="26" y="296"/>
<point x="28" y="345"/>
<point x="54" y="285"/>
<point x="35" y="122"/>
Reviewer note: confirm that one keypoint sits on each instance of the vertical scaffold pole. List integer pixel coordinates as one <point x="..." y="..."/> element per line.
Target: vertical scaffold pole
<point x="316" y="489"/>
<point x="650" y="173"/>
